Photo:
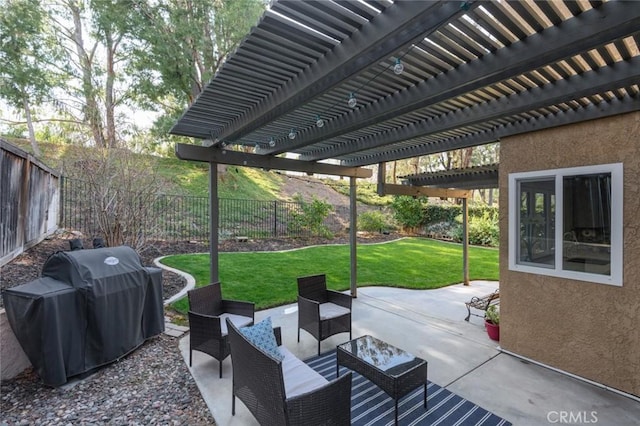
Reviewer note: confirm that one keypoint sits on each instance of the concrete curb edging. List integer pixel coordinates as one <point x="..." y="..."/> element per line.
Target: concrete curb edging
<point x="191" y="282"/>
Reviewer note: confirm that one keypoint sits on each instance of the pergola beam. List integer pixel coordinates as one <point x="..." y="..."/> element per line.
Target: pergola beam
<point x="422" y="191"/>
<point x="593" y="28"/>
<point x="402" y="23"/>
<point x="222" y="156"/>
<point x="591" y="112"/>
<point x="620" y="74"/>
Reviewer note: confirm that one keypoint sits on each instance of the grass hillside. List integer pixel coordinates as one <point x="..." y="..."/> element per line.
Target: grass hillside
<point x="192" y="178"/>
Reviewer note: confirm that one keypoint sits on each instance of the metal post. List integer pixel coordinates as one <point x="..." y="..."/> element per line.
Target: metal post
<point x="465" y="241"/>
<point x="275" y="218"/>
<point x="213" y="221"/>
<point x="61" y="202"/>
<point x="353" y="228"/>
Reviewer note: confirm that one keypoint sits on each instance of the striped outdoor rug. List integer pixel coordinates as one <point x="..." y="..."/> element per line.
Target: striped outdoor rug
<point x="371" y="406"/>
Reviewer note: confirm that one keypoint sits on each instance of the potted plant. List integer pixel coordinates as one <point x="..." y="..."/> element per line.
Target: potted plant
<point x="492" y="322"/>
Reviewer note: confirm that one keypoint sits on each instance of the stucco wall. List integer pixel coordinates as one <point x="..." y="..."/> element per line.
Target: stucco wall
<point x="13" y="360"/>
<point x="592" y="330"/>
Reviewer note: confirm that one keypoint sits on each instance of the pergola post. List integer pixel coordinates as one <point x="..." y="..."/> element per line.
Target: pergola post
<point x="213" y="222"/>
<point x="465" y="241"/>
<point x="353" y="228"/>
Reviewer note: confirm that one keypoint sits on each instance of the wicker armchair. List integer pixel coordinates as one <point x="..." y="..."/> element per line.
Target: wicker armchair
<point x="271" y="389"/>
<point x="322" y="312"/>
<point x="207" y="314"/>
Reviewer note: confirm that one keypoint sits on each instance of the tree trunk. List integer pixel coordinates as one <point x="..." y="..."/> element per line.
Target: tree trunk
<point x="32" y="133"/>
<point x="91" y="110"/>
<point x="467" y="153"/>
<point x="395" y="176"/>
<point x="109" y="97"/>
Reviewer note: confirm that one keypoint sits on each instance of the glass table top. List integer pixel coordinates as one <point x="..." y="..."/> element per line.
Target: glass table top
<point x="384" y="356"/>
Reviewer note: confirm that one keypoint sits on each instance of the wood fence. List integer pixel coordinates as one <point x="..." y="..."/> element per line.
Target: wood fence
<point x="29" y="201"/>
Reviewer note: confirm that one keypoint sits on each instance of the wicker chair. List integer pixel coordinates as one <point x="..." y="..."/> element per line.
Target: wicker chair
<point x="322" y="312"/>
<point x="207" y="314"/>
<point x="261" y="383"/>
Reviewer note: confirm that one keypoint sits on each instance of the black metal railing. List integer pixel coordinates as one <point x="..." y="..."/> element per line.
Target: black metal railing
<point x="179" y="217"/>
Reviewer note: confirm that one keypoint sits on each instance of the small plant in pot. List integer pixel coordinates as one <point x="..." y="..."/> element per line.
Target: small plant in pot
<point x="492" y="322"/>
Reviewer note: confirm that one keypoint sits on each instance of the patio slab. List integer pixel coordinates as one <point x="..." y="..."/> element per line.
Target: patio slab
<point x="430" y="324"/>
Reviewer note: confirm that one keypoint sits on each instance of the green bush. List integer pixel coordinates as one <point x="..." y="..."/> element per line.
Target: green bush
<point x="443" y="230"/>
<point x="483" y="230"/>
<point x="310" y="217"/>
<point x="436" y="213"/>
<point x="407" y="211"/>
<point x="373" y="221"/>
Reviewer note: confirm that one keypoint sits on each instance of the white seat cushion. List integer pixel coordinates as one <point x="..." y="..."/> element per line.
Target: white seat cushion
<point x="299" y="378"/>
<point x="331" y="310"/>
<point x="237" y="320"/>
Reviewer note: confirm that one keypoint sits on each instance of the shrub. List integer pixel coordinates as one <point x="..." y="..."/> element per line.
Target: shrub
<point x="442" y="230"/>
<point x="407" y="211"/>
<point x="435" y="213"/>
<point x="310" y="217"/>
<point x="120" y="191"/>
<point x="373" y="221"/>
<point x="482" y="230"/>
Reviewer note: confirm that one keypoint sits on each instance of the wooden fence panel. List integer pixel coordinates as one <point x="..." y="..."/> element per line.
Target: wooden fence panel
<point x="29" y="201"/>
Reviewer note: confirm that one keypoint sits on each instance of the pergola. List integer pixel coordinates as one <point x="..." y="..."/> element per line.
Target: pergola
<point x="473" y="72"/>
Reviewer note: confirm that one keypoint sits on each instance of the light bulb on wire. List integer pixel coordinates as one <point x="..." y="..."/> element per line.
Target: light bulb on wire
<point x="272" y="142"/>
<point x="292" y="134"/>
<point x="352" y="102"/>
<point x="398" y="67"/>
<point x="319" y="121"/>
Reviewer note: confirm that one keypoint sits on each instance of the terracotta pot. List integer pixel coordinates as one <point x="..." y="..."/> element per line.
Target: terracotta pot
<point x="492" y="330"/>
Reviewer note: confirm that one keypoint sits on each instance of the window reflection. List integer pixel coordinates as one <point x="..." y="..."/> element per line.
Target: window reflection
<point x="587" y="223"/>
<point x="537" y="222"/>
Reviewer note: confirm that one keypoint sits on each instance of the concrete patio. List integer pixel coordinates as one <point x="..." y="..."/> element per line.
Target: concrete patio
<point x="430" y="324"/>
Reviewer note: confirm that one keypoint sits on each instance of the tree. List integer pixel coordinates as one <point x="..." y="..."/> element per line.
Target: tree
<point x="121" y="189"/>
<point x="93" y="33"/>
<point x="117" y="55"/>
<point x="180" y="44"/>
<point x="26" y="79"/>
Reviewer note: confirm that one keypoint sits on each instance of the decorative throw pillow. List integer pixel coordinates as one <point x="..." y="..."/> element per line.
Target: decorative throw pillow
<point x="261" y="335"/>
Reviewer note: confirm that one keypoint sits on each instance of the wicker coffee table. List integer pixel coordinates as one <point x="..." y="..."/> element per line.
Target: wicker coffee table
<point x="394" y="370"/>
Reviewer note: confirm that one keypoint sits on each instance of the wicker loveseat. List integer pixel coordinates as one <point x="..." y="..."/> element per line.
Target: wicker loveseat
<point x="287" y="391"/>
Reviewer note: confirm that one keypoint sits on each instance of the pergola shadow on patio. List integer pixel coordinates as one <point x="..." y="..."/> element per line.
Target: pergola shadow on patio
<point x="430" y="324"/>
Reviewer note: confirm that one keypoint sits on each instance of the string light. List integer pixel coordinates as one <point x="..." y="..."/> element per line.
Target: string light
<point x="352" y="102"/>
<point x="398" y="67"/>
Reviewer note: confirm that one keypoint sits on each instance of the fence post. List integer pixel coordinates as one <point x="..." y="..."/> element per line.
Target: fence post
<point x="275" y="218"/>
<point x="61" y="201"/>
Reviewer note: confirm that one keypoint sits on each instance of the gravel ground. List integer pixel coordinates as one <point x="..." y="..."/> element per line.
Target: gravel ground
<point x="150" y="386"/>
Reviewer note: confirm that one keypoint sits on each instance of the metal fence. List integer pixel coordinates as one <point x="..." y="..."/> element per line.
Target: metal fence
<point x="186" y="218"/>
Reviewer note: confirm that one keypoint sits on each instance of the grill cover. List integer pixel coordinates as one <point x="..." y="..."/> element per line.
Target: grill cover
<point x="89" y="308"/>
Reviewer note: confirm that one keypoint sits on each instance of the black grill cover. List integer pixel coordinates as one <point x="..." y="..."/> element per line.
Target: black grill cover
<point x="90" y="308"/>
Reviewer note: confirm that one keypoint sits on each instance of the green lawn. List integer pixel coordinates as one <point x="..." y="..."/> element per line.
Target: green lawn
<point x="269" y="278"/>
